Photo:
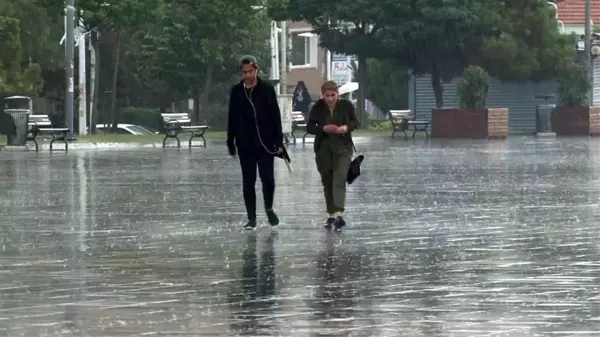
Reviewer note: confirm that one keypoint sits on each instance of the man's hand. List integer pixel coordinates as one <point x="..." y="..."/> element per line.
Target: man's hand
<point x="342" y="129"/>
<point x="231" y="148"/>
<point x="330" y="128"/>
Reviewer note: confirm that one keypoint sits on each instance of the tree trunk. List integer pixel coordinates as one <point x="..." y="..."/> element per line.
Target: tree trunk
<point x="204" y="99"/>
<point x="363" y="116"/>
<point x="113" y="104"/>
<point x="196" y="112"/>
<point x="95" y="104"/>
<point x="164" y="105"/>
<point x="438" y="88"/>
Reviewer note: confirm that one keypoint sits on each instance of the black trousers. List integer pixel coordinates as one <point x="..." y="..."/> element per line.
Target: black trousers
<point x="250" y="161"/>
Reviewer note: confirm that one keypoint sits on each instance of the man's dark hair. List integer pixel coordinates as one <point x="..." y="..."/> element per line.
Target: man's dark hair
<point x="249" y="59"/>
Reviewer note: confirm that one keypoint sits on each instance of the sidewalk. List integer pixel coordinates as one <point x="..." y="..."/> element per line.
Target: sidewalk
<point x="112" y="141"/>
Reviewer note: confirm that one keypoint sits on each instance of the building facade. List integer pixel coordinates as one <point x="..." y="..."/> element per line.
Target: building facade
<point x="306" y="58"/>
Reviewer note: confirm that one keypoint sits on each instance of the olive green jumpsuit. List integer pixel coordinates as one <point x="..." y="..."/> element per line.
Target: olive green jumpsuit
<point x="333" y="152"/>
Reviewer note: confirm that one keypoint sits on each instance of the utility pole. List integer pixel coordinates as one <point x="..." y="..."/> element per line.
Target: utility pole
<point x="588" y="44"/>
<point x="284" y="62"/>
<point x="82" y="81"/>
<point x="69" y="50"/>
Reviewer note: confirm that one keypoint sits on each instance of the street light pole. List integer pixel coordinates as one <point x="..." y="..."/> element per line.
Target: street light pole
<point x="69" y="50"/>
<point x="283" y="68"/>
<point x="588" y="44"/>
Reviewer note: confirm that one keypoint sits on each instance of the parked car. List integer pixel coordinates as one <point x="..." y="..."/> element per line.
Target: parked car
<point x="126" y="129"/>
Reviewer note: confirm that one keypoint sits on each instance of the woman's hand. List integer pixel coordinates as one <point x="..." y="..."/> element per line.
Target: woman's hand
<point x="342" y="129"/>
<point x="330" y="128"/>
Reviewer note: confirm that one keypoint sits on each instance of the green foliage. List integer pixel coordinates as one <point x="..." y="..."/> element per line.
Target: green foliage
<point x="194" y="43"/>
<point x="379" y="124"/>
<point x="523" y="41"/>
<point x="574" y="84"/>
<point x="473" y="88"/>
<point x="434" y="37"/>
<point x="16" y="77"/>
<point x="387" y="84"/>
<point x="349" y="27"/>
<point x="140" y="116"/>
<point x="512" y="40"/>
<point x="10" y="43"/>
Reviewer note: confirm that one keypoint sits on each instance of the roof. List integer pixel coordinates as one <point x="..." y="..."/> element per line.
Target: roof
<point x="572" y="12"/>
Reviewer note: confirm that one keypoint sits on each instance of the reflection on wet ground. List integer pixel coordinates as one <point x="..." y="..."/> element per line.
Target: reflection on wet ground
<point x="445" y="239"/>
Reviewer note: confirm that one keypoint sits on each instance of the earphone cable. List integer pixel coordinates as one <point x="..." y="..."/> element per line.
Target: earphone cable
<point x="249" y="98"/>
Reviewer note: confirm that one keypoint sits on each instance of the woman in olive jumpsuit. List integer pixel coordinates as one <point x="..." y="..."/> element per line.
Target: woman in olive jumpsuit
<point x="332" y="121"/>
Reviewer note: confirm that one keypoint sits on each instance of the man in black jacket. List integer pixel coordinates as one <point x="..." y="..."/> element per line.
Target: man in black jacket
<point x="254" y="131"/>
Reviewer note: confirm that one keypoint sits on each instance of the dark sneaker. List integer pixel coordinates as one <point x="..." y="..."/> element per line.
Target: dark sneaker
<point x="339" y="223"/>
<point x="329" y="223"/>
<point x="273" y="218"/>
<point x="251" y="225"/>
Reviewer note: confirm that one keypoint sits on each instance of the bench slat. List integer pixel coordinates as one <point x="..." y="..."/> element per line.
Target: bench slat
<point x="53" y="129"/>
<point x="195" y="127"/>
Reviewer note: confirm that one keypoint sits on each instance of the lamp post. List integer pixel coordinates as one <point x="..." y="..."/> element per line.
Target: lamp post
<point x="588" y="44"/>
<point x="274" y="74"/>
<point x="69" y="51"/>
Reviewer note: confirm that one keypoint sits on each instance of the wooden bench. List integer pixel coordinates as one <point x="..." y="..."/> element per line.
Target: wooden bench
<point x="403" y="120"/>
<point x="178" y="123"/>
<point x="298" y="123"/>
<point x="42" y="125"/>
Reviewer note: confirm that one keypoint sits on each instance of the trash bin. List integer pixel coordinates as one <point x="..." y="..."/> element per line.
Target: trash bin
<point x="21" y="119"/>
<point x="543" y="118"/>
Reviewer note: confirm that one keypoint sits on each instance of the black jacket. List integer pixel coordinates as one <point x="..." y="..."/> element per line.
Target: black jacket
<point x="268" y="116"/>
<point x="343" y="114"/>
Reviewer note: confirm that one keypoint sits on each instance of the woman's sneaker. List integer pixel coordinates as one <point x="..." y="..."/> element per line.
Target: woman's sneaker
<point x="339" y="222"/>
<point x="329" y="223"/>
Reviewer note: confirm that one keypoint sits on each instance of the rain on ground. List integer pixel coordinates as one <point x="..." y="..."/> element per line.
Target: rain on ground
<point x="453" y="238"/>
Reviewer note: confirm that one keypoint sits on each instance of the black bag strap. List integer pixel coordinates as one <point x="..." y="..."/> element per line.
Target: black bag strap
<point x="353" y="146"/>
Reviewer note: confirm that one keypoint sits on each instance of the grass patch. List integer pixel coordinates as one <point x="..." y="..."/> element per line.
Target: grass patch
<point x="113" y="138"/>
<point x="210" y="135"/>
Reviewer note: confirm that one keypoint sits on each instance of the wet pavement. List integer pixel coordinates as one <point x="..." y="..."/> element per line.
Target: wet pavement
<point x="445" y="239"/>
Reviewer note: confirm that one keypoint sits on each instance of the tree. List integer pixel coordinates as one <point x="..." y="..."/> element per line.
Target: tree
<point x="196" y="46"/>
<point x="574" y="84"/>
<point x="472" y="89"/>
<point x="387" y="84"/>
<point x="118" y="22"/>
<point x="350" y="27"/>
<point x="16" y="76"/>
<point x="435" y="37"/>
<point x="512" y="40"/>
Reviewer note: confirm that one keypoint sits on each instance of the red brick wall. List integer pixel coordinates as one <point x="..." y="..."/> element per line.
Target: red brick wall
<point x="459" y="123"/>
<point x="572" y="121"/>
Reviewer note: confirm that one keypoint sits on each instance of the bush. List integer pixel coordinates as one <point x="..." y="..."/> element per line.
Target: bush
<point x="574" y="83"/>
<point x="473" y="88"/>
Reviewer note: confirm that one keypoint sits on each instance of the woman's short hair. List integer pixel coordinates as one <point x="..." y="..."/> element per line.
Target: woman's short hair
<point x="329" y="85"/>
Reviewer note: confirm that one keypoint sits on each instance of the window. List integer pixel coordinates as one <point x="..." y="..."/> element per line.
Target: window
<point x="303" y="46"/>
